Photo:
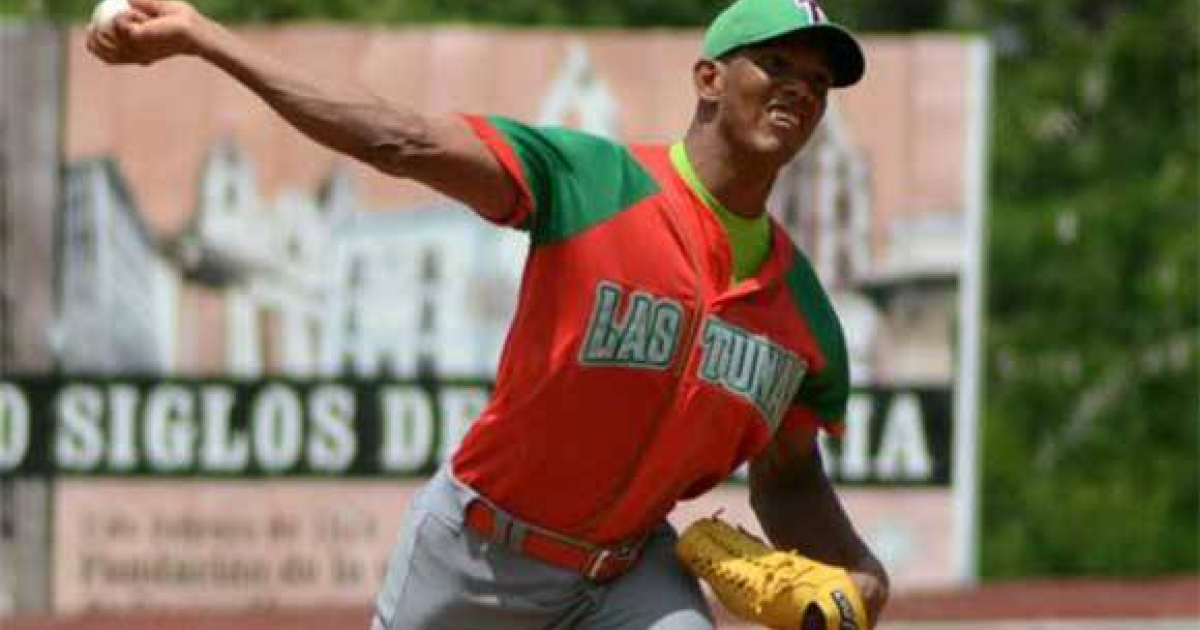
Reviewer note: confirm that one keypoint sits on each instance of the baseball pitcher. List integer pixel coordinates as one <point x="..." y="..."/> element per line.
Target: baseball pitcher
<point x="667" y="332"/>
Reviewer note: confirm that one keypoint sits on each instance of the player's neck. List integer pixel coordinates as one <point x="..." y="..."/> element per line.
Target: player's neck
<point x="740" y="182"/>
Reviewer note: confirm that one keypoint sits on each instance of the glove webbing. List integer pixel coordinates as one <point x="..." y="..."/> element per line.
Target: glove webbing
<point x="759" y="572"/>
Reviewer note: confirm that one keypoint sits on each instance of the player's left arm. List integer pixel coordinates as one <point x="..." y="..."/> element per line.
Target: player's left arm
<point x="798" y="509"/>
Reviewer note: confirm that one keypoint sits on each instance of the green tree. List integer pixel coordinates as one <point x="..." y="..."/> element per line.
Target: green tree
<point x="1092" y="415"/>
<point x="875" y="15"/>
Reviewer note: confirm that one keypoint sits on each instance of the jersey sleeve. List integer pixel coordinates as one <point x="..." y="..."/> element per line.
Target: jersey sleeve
<point x="822" y="398"/>
<point x="821" y="401"/>
<point x="567" y="179"/>
<point x="502" y="148"/>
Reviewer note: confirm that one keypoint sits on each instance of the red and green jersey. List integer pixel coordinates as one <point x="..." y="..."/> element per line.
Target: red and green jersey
<point x="635" y="373"/>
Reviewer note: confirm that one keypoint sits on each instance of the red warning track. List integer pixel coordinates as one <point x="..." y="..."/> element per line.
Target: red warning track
<point x="1174" y="598"/>
<point x="1167" y="598"/>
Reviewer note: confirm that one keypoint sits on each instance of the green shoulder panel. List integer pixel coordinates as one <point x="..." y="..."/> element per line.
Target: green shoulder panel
<point x="825" y="393"/>
<point x="577" y="180"/>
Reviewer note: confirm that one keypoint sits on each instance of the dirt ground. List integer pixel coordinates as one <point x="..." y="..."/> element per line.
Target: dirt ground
<point x="1167" y="598"/>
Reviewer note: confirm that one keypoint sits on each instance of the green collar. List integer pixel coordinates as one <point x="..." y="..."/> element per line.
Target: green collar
<point x="749" y="239"/>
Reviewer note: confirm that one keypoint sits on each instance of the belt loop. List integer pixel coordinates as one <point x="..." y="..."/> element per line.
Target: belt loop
<point x="515" y="538"/>
<point x="507" y="531"/>
<point x="503" y="523"/>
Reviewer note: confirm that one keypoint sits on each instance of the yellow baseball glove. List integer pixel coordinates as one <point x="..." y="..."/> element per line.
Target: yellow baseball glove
<point x="767" y="586"/>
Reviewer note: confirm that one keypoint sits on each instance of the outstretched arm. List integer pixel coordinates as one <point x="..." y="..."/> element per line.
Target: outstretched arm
<point x="442" y="152"/>
<point x="798" y="509"/>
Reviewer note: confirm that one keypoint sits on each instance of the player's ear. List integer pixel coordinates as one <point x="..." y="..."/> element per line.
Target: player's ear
<point x="707" y="75"/>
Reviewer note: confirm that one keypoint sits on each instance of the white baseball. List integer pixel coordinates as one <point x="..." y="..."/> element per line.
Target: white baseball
<point x="107" y="11"/>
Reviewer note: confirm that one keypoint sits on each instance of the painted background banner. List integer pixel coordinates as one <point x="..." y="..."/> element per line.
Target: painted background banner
<point x="243" y="336"/>
<point x="224" y="428"/>
<point x="277" y="427"/>
<point x="127" y="543"/>
<point x="215" y="544"/>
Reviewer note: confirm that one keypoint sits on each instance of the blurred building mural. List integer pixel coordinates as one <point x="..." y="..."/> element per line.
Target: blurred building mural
<point x="308" y="284"/>
<point x="118" y="297"/>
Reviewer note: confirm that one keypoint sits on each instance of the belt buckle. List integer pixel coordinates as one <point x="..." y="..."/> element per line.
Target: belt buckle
<point x="604" y="555"/>
<point x="596" y="564"/>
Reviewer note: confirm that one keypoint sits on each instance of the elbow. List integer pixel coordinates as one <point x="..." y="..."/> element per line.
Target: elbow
<point x="398" y="148"/>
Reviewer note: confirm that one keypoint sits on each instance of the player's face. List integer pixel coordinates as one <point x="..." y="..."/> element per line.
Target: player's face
<point x="774" y="96"/>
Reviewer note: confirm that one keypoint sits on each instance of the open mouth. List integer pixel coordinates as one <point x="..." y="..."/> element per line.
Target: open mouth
<point x="786" y="117"/>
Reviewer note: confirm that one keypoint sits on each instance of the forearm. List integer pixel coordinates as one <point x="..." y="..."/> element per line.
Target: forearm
<point x="340" y="114"/>
<point x="802" y="512"/>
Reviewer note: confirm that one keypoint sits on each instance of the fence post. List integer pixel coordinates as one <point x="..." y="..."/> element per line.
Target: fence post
<point x="32" y="67"/>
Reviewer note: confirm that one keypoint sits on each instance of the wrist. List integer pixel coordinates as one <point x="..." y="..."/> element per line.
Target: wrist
<point x="873" y="586"/>
<point x="204" y="36"/>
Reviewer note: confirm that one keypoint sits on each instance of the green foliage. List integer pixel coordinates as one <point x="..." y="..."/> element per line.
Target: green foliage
<point x="517" y="12"/>
<point x="1092" y="417"/>
<point x="875" y="15"/>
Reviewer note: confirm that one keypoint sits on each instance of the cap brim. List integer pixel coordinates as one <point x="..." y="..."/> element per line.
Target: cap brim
<point x="845" y="56"/>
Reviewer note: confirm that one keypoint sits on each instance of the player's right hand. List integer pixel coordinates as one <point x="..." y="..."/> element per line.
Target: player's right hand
<point x="153" y="30"/>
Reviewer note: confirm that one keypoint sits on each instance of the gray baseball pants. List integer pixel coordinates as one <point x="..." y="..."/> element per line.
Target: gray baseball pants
<point x="445" y="576"/>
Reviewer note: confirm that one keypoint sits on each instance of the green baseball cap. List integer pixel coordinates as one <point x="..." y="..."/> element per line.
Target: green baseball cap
<point x="747" y="22"/>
